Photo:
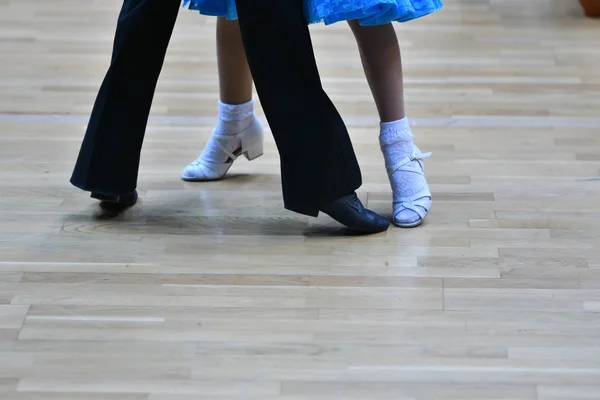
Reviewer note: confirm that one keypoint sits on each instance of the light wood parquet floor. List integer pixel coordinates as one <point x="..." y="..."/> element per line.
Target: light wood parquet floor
<point x="213" y="291"/>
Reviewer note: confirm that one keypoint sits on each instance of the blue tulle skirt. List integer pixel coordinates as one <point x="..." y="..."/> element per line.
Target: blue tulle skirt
<point x="367" y="12"/>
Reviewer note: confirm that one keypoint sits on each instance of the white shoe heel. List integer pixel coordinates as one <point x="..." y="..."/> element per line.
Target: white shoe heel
<point x="254" y="149"/>
<point x="206" y="169"/>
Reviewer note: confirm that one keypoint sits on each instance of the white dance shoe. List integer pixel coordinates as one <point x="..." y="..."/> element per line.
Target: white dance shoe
<point x="209" y="166"/>
<point x="412" y="197"/>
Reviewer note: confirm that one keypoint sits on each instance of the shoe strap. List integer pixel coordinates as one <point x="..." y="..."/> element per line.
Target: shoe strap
<point x="225" y="138"/>
<point x="218" y="140"/>
<point x="416" y="156"/>
<point x="419" y="206"/>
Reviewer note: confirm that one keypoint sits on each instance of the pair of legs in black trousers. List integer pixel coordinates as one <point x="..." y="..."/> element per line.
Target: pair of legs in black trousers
<point x="318" y="165"/>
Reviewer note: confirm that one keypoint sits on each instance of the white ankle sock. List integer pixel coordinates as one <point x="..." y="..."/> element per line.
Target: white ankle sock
<point x="234" y="118"/>
<point x="397" y="138"/>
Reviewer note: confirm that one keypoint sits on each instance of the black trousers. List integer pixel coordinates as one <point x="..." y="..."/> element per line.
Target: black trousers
<point x="318" y="163"/>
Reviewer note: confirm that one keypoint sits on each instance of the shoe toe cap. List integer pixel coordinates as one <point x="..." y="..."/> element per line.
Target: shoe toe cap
<point x="189" y="172"/>
<point x="407" y="218"/>
<point x="378" y="223"/>
<point x="194" y="173"/>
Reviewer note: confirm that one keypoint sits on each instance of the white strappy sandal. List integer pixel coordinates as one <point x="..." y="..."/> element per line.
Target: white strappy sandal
<point x="410" y="209"/>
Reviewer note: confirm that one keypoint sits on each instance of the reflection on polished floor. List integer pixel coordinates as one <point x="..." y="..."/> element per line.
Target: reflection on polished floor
<point x="213" y="291"/>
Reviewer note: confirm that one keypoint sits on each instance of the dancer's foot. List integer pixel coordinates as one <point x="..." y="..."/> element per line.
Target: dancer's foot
<point x="116" y="203"/>
<point x="238" y="132"/>
<point x="403" y="160"/>
<point x="349" y="211"/>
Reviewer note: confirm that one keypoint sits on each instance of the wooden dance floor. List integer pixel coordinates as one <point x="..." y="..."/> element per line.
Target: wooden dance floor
<point x="208" y="291"/>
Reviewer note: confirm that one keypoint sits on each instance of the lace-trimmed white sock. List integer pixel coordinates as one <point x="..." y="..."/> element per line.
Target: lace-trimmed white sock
<point x="233" y="119"/>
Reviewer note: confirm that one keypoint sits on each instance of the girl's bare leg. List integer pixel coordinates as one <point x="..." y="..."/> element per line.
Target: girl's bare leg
<point x="235" y="79"/>
<point x="382" y="63"/>
<point x="238" y="130"/>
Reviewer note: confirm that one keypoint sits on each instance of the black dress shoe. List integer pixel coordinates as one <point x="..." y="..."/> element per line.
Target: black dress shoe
<point x="116" y="203"/>
<point x="349" y="211"/>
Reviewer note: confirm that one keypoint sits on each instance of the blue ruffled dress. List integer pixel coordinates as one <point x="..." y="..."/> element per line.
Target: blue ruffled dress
<point x="367" y="12"/>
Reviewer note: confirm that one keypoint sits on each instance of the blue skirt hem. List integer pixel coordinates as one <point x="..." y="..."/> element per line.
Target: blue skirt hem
<point x="368" y="12"/>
